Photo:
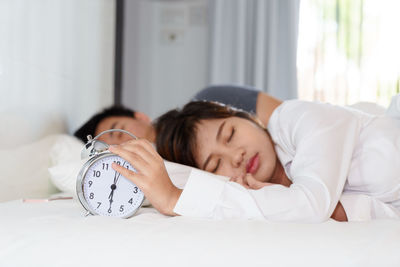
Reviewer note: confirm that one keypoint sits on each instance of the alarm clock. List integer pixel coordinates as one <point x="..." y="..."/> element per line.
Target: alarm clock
<point x="101" y="190"/>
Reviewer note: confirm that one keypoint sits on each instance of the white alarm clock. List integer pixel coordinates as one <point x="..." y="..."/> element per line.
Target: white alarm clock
<point x="102" y="190"/>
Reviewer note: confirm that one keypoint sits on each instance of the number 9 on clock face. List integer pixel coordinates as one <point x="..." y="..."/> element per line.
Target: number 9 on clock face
<point x="103" y="191"/>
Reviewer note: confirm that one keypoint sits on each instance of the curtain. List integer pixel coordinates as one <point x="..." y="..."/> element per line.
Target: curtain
<point x="348" y="51"/>
<point x="254" y="42"/>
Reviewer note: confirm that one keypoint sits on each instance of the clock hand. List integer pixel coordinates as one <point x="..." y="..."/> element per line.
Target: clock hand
<point x="111" y="199"/>
<point x="115" y="181"/>
<point x="111" y="196"/>
<point x="116" y="174"/>
<point x="114" y="186"/>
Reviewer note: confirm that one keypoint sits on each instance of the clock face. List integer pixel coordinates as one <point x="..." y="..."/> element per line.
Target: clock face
<point x="108" y="193"/>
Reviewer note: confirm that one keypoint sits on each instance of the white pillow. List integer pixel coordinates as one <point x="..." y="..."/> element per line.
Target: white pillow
<point x="66" y="164"/>
<point x="24" y="170"/>
<point x="178" y="173"/>
<point x="66" y="148"/>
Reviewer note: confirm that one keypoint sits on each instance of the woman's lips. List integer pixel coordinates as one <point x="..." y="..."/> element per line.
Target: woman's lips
<point x="253" y="164"/>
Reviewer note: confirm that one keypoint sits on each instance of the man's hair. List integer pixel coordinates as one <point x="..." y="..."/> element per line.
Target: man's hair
<point x="90" y="126"/>
<point x="176" y="130"/>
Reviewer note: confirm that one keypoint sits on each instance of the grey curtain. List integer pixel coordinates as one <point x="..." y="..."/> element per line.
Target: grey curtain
<point x="254" y="42"/>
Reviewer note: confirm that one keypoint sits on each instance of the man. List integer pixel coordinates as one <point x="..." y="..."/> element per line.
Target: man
<point x="138" y="123"/>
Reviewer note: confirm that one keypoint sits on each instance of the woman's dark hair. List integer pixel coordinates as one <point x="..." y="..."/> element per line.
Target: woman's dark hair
<point x="176" y="129"/>
<point x="90" y="126"/>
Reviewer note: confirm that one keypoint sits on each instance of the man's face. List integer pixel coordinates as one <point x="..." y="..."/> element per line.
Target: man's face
<point x="137" y="126"/>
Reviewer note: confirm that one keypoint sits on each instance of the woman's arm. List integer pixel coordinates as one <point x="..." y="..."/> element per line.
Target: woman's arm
<point x="153" y="179"/>
<point x="320" y="140"/>
<point x="249" y="182"/>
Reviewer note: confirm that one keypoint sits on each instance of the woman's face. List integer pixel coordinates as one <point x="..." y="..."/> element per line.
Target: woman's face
<point x="233" y="147"/>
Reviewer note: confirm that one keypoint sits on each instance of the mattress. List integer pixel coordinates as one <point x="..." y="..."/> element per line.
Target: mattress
<point x="57" y="233"/>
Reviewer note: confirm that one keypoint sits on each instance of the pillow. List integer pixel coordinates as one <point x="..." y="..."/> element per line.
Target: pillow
<point x="65" y="157"/>
<point x="24" y="171"/>
<point x="66" y="164"/>
<point x="178" y="173"/>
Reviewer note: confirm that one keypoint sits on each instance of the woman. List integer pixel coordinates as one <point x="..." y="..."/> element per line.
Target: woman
<point x="320" y="151"/>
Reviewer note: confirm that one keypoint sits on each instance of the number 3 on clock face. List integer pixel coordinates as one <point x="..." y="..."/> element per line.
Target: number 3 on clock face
<point x="103" y="191"/>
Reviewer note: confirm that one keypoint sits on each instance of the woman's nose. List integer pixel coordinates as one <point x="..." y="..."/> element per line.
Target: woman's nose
<point x="237" y="157"/>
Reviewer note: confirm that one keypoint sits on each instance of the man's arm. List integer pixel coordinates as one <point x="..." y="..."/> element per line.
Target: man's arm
<point x="243" y="97"/>
<point x="266" y="104"/>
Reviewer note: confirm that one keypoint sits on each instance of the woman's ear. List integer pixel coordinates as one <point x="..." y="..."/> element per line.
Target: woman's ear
<point x="142" y="117"/>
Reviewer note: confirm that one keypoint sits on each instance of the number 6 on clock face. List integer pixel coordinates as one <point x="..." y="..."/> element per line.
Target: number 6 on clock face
<point x="103" y="191"/>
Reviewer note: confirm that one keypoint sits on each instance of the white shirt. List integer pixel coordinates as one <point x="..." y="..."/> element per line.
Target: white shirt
<point x="330" y="153"/>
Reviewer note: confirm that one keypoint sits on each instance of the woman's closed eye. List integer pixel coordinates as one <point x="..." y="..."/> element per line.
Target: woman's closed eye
<point x="219" y="162"/>
<point x="214" y="170"/>
<point x="231" y="135"/>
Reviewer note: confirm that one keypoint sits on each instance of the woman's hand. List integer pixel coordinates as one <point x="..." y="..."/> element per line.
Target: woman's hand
<point x="249" y="182"/>
<point x="151" y="176"/>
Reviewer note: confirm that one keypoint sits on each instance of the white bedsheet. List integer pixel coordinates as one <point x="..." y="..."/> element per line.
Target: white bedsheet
<point x="57" y="234"/>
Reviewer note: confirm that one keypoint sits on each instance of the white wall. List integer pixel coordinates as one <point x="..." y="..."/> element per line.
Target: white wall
<point x="57" y="56"/>
<point x="165" y="53"/>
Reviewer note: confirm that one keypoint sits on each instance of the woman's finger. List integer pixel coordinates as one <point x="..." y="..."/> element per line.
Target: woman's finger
<point x="133" y="148"/>
<point x="253" y="183"/>
<point x="143" y="148"/>
<point x="133" y="158"/>
<point x="129" y="174"/>
<point x="143" y="144"/>
<point x="149" y="147"/>
<point x="239" y="180"/>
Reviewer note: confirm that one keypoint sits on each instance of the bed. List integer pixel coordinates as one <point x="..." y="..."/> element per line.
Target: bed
<point x="57" y="232"/>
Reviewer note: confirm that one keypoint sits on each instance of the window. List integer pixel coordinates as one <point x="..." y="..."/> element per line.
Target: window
<point x="349" y="50"/>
